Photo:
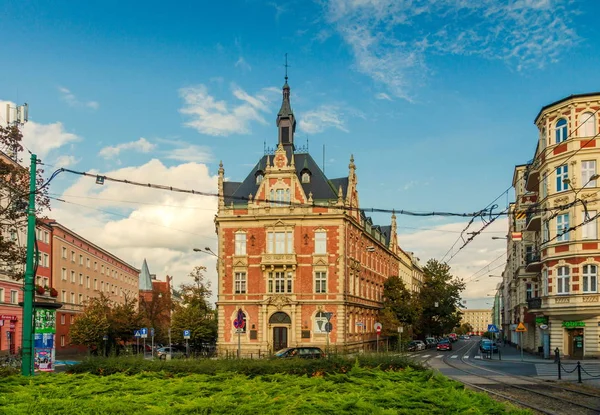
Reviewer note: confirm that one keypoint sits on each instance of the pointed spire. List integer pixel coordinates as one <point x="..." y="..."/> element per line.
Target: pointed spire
<point x="293" y="161"/>
<point x="268" y="162"/>
<point x="394" y="233"/>
<point x="145" y="281"/>
<point x="221" y="189"/>
<point x="286" y="121"/>
<point x="310" y="199"/>
<point x="340" y="195"/>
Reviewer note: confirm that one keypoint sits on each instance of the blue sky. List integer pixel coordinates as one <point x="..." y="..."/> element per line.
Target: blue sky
<point x="435" y="99"/>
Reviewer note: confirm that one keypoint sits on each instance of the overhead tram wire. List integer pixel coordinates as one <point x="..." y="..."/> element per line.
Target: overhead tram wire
<point x="523" y="176"/>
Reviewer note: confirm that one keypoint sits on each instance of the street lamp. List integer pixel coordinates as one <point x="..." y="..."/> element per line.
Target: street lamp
<point x="495" y="276"/>
<point x="500" y="237"/>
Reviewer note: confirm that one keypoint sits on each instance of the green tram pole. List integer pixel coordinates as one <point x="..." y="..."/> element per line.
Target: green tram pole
<point x="27" y="338"/>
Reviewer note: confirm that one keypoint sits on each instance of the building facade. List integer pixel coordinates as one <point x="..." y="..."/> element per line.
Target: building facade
<point x="561" y="250"/>
<point x="82" y="270"/>
<point x="293" y="247"/>
<point x="477" y="319"/>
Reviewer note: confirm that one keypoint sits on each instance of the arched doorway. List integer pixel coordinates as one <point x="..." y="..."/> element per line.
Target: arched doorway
<point x="280" y="322"/>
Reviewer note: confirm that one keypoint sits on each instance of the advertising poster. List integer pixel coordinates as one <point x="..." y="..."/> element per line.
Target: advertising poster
<point x="43" y="339"/>
<point x="45" y="321"/>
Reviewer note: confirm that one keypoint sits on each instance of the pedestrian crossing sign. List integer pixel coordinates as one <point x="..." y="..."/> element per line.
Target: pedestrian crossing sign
<point x="521" y="328"/>
<point x="492" y="328"/>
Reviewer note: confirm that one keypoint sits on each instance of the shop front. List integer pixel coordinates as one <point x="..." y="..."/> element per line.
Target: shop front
<point x="9" y="339"/>
<point x="575" y="338"/>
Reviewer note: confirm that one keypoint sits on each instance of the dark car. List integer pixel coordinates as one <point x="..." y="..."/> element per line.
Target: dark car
<point x="444" y="345"/>
<point x="486" y="345"/>
<point x="301" y="352"/>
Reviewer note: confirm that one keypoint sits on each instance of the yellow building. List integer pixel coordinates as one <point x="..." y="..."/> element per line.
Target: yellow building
<point x="564" y="251"/>
<point x="477" y="319"/>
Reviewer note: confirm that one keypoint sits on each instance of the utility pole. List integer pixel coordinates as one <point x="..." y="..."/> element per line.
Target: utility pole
<point x="27" y="362"/>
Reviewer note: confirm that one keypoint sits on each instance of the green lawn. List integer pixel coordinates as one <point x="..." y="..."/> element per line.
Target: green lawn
<point x="360" y="391"/>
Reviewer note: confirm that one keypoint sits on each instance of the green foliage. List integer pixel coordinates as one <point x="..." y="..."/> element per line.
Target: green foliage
<point x="360" y="391"/>
<point x="464" y="329"/>
<point x="442" y="288"/>
<point x="194" y="313"/>
<point x="400" y="307"/>
<point x="155" y="312"/>
<point x="308" y="367"/>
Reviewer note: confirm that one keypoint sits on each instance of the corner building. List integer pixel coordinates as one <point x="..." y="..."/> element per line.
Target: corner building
<point x="293" y="246"/>
<point x="564" y="251"/>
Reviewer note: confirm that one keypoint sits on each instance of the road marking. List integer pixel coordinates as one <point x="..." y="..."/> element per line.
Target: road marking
<point x="439" y="356"/>
<point x="466" y="356"/>
<point x="477" y="357"/>
<point x="454" y="357"/>
<point x="427" y="355"/>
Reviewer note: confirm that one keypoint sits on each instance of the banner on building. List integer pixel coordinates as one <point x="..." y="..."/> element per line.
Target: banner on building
<point x="516" y="236"/>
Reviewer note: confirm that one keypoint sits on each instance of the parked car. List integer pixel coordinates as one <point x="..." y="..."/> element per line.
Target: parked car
<point x="486" y="345"/>
<point x="416" y="345"/>
<point x="176" y="353"/>
<point x="430" y="342"/>
<point x="444" y="344"/>
<point x="301" y="352"/>
<point x="452" y="337"/>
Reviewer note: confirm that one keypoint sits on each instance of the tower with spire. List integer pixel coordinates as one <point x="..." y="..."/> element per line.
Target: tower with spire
<point x="286" y="121"/>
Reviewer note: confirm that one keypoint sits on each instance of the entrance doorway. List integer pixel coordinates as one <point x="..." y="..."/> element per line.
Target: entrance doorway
<point x="575" y="343"/>
<point x="279" y="338"/>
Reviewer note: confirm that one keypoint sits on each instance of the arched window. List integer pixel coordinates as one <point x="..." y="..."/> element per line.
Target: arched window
<point x="588" y="125"/>
<point x="320" y="321"/>
<point x="561" y="130"/>
<point x="280" y="318"/>
<point x="305" y="176"/>
<point x="259" y="178"/>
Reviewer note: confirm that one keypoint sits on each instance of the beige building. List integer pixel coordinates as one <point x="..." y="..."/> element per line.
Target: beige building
<point x="562" y="251"/>
<point x="477" y="319"/>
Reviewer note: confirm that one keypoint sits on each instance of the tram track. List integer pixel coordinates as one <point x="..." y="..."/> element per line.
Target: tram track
<point x="528" y="393"/>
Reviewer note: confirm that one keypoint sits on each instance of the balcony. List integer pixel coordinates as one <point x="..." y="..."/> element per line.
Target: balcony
<point x="533" y="262"/>
<point x="532" y="178"/>
<point x="533" y="221"/>
<point x="278" y="260"/>
<point x="534" y="303"/>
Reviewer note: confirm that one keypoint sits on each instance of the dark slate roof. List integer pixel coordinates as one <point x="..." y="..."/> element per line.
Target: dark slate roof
<point x="343" y="181"/>
<point x="387" y="233"/>
<point x="286" y="108"/>
<point x="229" y="189"/>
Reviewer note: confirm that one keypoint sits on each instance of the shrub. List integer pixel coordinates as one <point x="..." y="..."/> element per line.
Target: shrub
<point x="309" y="367"/>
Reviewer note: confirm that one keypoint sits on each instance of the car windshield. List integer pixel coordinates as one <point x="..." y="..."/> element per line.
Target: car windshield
<point x="444" y="342"/>
<point x="282" y="352"/>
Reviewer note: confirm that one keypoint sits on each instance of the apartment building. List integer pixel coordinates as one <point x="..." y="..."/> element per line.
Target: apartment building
<point x="82" y="270"/>
<point x="560" y="239"/>
<point x="295" y="253"/>
<point x="478" y="319"/>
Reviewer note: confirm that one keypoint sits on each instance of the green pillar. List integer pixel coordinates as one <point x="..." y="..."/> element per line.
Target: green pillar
<point x="27" y="338"/>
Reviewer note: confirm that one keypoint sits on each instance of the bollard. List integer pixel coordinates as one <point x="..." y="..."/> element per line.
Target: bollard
<point x="499" y="355"/>
<point x="578" y="372"/>
<point x="557" y="359"/>
<point x="557" y="355"/>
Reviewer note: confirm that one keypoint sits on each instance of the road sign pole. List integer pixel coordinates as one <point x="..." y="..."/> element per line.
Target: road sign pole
<point x="377" y="345"/>
<point x="170" y="352"/>
<point x="239" y="350"/>
<point x="187" y="348"/>
<point x="521" y="344"/>
<point x="144" y="347"/>
<point x="137" y="345"/>
<point x="152" y="351"/>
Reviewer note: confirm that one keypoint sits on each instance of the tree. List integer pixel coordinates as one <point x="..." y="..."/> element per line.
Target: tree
<point x="14" y="197"/>
<point x="439" y="299"/>
<point x="101" y="317"/>
<point x="464" y="328"/>
<point x="194" y="313"/>
<point x="156" y="312"/>
<point x="400" y="307"/>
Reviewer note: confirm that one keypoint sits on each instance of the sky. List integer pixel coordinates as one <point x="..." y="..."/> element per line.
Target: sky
<point x="434" y="98"/>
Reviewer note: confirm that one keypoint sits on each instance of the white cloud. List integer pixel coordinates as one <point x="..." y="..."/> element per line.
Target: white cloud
<point x="43" y="138"/>
<point x="142" y="145"/>
<point x="217" y="118"/>
<point x="242" y="64"/>
<point x="65" y="161"/>
<point x="190" y="153"/>
<point x="390" y="39"/>
<point x="383" y="95"/>
<point x="474" y="263"/>
<point x="161" y="226"/>
<point x="321" y="118"/>
<point x="72" y="100"/>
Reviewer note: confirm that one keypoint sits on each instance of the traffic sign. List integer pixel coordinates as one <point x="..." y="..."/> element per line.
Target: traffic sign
<point x="521" y="328"/>
<point x="152" y="332"/>
<point x="239" y="322"/>
<point x="377" y="327"/>
<point x="137" y="333"/>
<point x="328" y="327"/>
<point x="144" y="333"/>
<point x="105" y="337"/>
<point x="328" y="316"/>
<point x="186" y="334"/>
<point x="492" y="328"/>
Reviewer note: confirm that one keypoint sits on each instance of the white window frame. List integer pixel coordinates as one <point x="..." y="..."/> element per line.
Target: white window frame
<point x="561" y="132"/>
<point x="563" y="286"/>
<point x="63" y="296"/>
<point x="73" y="278"/>
<point x="240" y="243"/>
<point x="14" y="296"/>
<point x="589" y="230"/>
<point x="306" y="177"/>
<point x="62" y="340"/>
<point x="545" y="186"/>
<point x="280" y="282"/>
<point x="588" y="170"/>
<point x="562" y="173"/>
<point x="545" y="231"/>
<point x="589" y="279"/>
<point x="72" y="256"/>
<point x="280" y="242"/>
<point x="63" y="274"/>
<point x="562" y="225"/>
<point x="72" y="297"/>
<point x="320" y="282"/>
<point x="1" y="295"/>
<point x="544" y="282"/>
<point x="320" y="242"/>
<point x="320" y="321"/>
<point x="241" y="280"/>
<point x="64" y="252"/>
<point x="588" y="124"/>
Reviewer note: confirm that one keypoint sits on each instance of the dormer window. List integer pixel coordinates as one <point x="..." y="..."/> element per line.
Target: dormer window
<point x="306" y="177"/>
<point x="259" y="177"/>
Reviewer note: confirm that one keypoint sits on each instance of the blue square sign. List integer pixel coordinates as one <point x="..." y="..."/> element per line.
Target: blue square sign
<point x="492" y="328"/>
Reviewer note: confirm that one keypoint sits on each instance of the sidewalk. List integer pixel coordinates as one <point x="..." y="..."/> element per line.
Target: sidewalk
<point x="512" y="354"/>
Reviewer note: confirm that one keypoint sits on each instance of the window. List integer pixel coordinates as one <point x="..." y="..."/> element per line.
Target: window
<point x="528" y="291"/>
<point x="545" y="231"/>
<point x="320" y="282"/>
<point x="280" y="282"/>
<point x="562" y="280"/>
<point x="64" y="253"/>
<point x="87" y="281"/>
<point x="95" y="266"/>
<point x="561" y="130"/>
<point x="320" y="322"/>
<point x="46" y="237"/>
<point x="80" y="299"/>
<point x="588" y="170"/>
<point x="562" y="174"/>
<point x="240" y="283"/>
<point x="73" y="277"/>
<point x="80" y="259"/>
<point x="72" y="298"/>
<point x="80" y="279"/>
<point x="320" y="242"/>
<point x="63" y="296"/>
<point x="72" y="256"/>
<point x="259" y="178"/>
<point x="589" y="228"/>
<point x="279" y="243"/>
<point x="14" y="297"/>
<point x="62" y="340"/>
<point x="544" y="282"/>
<point x="102" y="286"/>
<point x="240" y="243"/>
<point x="306" y="177"/>
<point x="45" y="260"/>
<point x="63" y="274"/>
<point x="280" y="197"/>
<point x="545" y="186"/>
<point x="588" y="125"/>
<point x="590" y="278"/>
<point x="102" y="269"/>
<point x="95" y="283"/>
<point x="62" y="319"/>
<point x="562" y="227"/>
<point x="88" y="262"/>
<point x="1" y="295"/>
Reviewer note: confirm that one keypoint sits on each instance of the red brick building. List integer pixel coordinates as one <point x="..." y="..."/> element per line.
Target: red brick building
<point x="293" y="247"/>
